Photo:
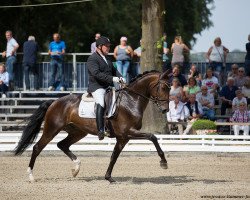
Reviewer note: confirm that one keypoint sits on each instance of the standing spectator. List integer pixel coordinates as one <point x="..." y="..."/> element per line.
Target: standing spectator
<point x="241" y="79"/>
<point x="93" y="45"/>
<point x="177" y="50"/>
<point x="137" y="53"/>
<point x="30" y="49"/>
<point x="217" y="55"/>
<point x="177" y="74"/>
<point x="246" y="90"/>
<point x="123" y="54"/>
<point x="177" y="112"/>
<point x="234" y="71"/>
<point x="165" y="59"/>
<point x="207" y="102"/>
<point x="247" y="58"/>
<point x="195" y="112"/>
<point x="4" y="80"/>
<point x="210" y="81"/>
<point x="56" y="51"/>
<point x="10" y="54"/>
<point x="238" y="100"/>
<point x="241" y="115"/>
<point x="192" y="87"/>
<point x="227" y="95"/>
<point x="194" y="72"/>
<point x="176" y="90"/>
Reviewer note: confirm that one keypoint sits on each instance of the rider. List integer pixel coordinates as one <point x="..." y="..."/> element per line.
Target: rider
<point x="102" y="74"/>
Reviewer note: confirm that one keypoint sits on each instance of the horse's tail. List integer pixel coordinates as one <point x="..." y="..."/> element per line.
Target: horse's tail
<point x="32" y="129"/>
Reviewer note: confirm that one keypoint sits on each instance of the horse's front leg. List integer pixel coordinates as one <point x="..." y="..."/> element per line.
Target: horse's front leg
<point x="116" y="152"/>
<point x="135" y="134"/>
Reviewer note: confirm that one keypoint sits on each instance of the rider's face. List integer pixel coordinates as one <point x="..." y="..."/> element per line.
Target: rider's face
<point x="105" y="49"/>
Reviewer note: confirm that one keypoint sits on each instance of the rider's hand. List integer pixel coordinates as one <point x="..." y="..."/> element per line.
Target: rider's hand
<point x="116" y="79"/>
<point x="122" y="80"/>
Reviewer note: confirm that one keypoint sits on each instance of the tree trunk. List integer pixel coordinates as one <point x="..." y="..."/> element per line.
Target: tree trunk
<point x="152" y="30"/>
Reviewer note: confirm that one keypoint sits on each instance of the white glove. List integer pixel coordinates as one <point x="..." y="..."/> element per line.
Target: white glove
<point x="116" y="79"/>
<point x="122" y="80"/>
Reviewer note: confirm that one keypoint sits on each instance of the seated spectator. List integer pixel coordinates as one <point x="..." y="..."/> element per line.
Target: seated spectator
<point x="210" y="81"/>
<point x="238" y="100"/>
<point x="192" y="87"/>
<point x="227" y="95"/>
<point x="241" y="115"/>
<point x="176" y="89"/>
<point x="207" y="102"/>
<point x="246" y="90"/>
<point x="194" y="72"/>
<point x="234" y="71"/>
<point x="194" y="111"/>
<point x="177" y="112"/>
<point x="241" y="79"/>
<point x="4" y="80"/>
<point x="176" y="74"/>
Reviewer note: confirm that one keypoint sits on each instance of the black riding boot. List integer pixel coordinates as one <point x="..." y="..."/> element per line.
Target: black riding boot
<point x="100" y="121"/>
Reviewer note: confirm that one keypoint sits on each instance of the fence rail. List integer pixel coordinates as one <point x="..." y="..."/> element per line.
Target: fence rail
<point x="205" y="143"/>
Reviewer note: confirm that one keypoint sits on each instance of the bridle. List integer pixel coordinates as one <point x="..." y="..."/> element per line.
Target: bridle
<point x="154" y="99"/>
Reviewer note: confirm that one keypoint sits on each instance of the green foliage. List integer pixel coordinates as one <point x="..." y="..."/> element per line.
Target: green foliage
<point x="77" y="23"/>
<point x="203" y="124"/>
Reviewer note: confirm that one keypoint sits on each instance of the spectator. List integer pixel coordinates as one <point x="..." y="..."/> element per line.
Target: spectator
<point x="241" y="79"/>
<point x="246" y="90"/>
<point x="176" y="90"/>
<point x="238" y="100"/>
<point x="177" y="112"/>
<point x="241" y="115"/>
<point x="227" y="95"/>
<point x="234" y="71"/>
<point x="207" y="102"/>
<point x="217" y="55"/>
<point x="10" y="54"/>
<point x="4" y="80"/>
<point x="247" y="58"/>
<point x="177" y="50"/>
<point x="30" y="49"/>
<point x="165" y="59"/>
<point x="194" y="72"/>
<point x="176" y="74"/>
<point x="192" y="87"/>
<point x="137" y="53"/>
<point x="194" y="111"/>
<point x="93" y="45"/>
<point x="57" y="51"/>
<point x="210" y="81"/>
<point x="123" y="54"/>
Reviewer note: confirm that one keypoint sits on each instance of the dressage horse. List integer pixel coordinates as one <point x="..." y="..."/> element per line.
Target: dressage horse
<point x="62" y="114"/>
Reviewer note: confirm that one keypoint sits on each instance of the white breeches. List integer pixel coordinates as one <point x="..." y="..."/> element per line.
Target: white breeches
<point x="98" y="96"/>
<point x="237" y="129"/>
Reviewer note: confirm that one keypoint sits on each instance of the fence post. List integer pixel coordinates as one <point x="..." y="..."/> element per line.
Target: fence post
<point x="74" y="72"/>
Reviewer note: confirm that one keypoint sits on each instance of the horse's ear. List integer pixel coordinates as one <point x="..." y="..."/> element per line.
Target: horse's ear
<point x="165" y="74"/>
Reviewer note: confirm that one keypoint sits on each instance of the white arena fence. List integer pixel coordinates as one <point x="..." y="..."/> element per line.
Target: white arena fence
<point x="177" y="143"/>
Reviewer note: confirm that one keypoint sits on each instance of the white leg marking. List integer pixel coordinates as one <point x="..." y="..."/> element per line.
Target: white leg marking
<point x="31" y="177"/>
<point x="77" y="167"/>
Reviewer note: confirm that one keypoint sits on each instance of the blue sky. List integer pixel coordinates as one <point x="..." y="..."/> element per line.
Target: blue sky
<point x="231" y="19"/>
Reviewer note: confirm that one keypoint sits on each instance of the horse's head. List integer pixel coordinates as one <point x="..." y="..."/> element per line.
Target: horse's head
<point x="160" y="92"/>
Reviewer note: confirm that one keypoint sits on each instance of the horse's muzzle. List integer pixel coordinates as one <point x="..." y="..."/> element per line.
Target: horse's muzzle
<point x="164" y="111"/>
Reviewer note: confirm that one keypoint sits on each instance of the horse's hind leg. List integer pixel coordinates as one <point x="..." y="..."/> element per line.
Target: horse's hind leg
<point x="64" y="145"/>
<point x="134" y="134"/>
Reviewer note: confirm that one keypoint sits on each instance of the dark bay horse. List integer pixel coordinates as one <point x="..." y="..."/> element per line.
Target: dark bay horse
<point x="62" y="114"/>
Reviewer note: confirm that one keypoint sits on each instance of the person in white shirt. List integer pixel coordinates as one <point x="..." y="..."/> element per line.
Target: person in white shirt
<point x="210" y="81"/>
<point x="10" y="54"/>
<point x="177" y="112"/>
<point x="93" y="45"/>
<point x="238" y="100"/>
<point x="4" y="80"/>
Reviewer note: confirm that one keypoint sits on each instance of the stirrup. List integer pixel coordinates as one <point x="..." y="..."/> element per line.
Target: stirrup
<point x="102" y="134"/>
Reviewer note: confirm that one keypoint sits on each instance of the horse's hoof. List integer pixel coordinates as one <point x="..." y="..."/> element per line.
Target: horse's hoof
<point x="75" y="172"/>
<point x="163" y="164"/>
<point x="110" y="180"/>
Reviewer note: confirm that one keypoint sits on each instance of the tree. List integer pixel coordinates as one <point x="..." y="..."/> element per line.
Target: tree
<point x="152" y="29"/>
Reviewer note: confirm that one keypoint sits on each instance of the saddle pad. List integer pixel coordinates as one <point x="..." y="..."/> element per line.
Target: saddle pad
<point x="87" y="107"/>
